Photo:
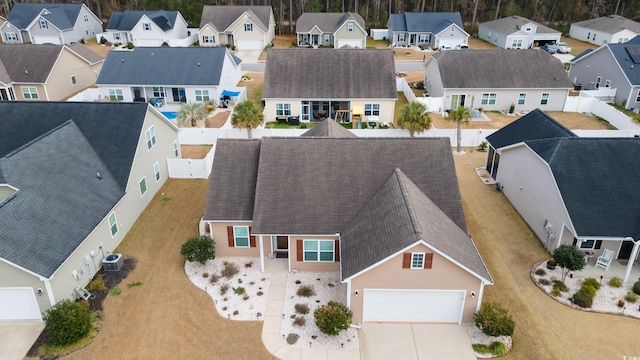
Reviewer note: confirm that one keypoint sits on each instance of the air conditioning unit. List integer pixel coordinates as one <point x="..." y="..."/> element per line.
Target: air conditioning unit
<point x="112" y="262"/>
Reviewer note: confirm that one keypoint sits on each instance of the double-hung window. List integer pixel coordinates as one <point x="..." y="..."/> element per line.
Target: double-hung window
<point x="327" y="38"/>
<point x="146" y="26"/>
<point x="318" y="250"/>
<point x="402" y="37"/>
<point x="248" y="27"/>
<point x="43" y="24"/>
<point x="516" y="44"/>
<point x="488" y="99"/>
<point x="176" y="148"/>
<point x="116" y="95"/>
<point x="116" y="36"/>
<point x="283" y="109"/>
<point x="417" y="260"/>
<point x="202" y="95"/>
<point x="113" y="224"/>
<point x="522" y="97"/>
<point x="598" y="81"/>
<point x="544" y="99"/>
<point x="423" y="38"/>
<point x="150" y="136"/>
<point x="156" y="171"/>
<point x="349" y="27"/>
<point x="29" y="92"/>
<point x="159" y="92"/>
<point x="143" y="186"/>
<point x="208" y="39"/>
<point x="86" y="18"/>
<point x="11" y="36"/>
<point x="371" y="109"/>
<point x="241" y="236"/>
<point x="73" y="80"/>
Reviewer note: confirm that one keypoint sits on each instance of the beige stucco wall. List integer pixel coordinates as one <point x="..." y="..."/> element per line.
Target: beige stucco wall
<point x="310" y="266"/>
<point x="444" y="275"/>
<point x="59" y="85"/>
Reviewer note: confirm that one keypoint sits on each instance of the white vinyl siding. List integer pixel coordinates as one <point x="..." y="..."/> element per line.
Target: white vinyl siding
<point x="113" y="224"/>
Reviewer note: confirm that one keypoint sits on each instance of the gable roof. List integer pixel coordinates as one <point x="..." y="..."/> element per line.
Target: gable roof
<point x="597" y="178"/>
<point x="513" y="24"/>
<point x="126" y="20"/>
<point x="336" y="74"/>
<point x="329" y="128"/>
<point x="610" y="24"/>
<point x="584" y="53"/>
<point x="64" y="196"/>
<point x="621" y="54"/>
<point x="165" y="65"/>
<point x="426" y="22"/>
<point x="534" y="125"/>
<point x="63" y="16"/>
<point x="327" y="22"/>
<point x="500" y="68"/>
<point x="222" y="16"/>
<point x="112" y="129"/>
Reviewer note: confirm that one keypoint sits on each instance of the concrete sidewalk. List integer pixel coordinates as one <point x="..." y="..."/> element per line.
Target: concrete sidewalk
<point x="17" y="337"/>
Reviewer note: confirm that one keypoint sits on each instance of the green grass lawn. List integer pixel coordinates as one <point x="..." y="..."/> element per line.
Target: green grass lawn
<point x="378" y="44"/>
<point x="402" y="101"/>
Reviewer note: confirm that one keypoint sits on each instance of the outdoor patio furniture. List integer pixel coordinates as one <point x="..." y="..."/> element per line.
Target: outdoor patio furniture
<point x="605" y="259"/>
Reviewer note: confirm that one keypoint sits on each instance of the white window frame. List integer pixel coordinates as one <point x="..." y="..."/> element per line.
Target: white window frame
<point x="74" y="80"/>
<point x="146" y="26"/>
<point x="589" y="241"/>
<point x="150" y="137"/>
<point x="29" y="92"/>
<point x="283" y="109"/>
<point x="489" y="99"/>
<point x="544" y="99"/>
<point x="156" y="171"/>
<point x="522" y="98"/>
<point x="116" y="36"/>
<point x="598" y="81"/>
<point x="202" y="95"/>
<point x="424" y="38"/>
<point x="142" y="186"/>
<point x="11" y="36"/>
<point x="208" y="39"/>
<point x="417" y="260"/>
<point x="318" y="251"/>
<point x="350" y="27"/>
<point x="86" y="32"/>
<point x="159" y="92"/>
<point x="248" y="27"/>
<point x="176" y="148"/>
<point x="116" y="94"/>
<point x="371" y="109"/>
<point x="86" y="18"/>
<point x="327" y="38"/>
<point x="402" y="37"/>
<point x="516" y="44"/>
<point x="235" y="238"/>
<point x="113" y="224"/>
<point x="43" y="24"/>
<point x="607" y="83"/>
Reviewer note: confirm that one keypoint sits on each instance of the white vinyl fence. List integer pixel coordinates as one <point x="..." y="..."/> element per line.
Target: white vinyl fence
<point x="191" y="168"/>
<point x="433" y="104"/>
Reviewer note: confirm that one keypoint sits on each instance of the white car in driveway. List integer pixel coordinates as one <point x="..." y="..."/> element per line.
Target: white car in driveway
<point x="563" y="48"/>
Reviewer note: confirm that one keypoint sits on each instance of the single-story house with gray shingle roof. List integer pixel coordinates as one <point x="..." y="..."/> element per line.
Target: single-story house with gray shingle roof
<point x="605" y="30"/>
<point x="55" y="23"/>
<point x="241" y="26"/>
<point x="148" y="28"/>
<point x="60" y="218"/>
<point x="331" y="83"/>
<point x="169" y="75"/>
<point x="495" y="79"/>
<point x="434" y="29"/>
<point x="395" y="233"/>
<point x="572" y="190"/>
<point x="46" y="72"/>
<point x="331" y="29"/>
<point x="516" y="32"/>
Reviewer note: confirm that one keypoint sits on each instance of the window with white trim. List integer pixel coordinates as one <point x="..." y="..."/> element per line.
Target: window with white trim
<point x="522" y="98"/>
<point x="143" y="186"/>
<point x="208" y="39"/>
<point x="113" y="224"/>
<point x="402" y="37"/>
<point x="159" y="92"/>
<point x="588" y="244"/>
<point x="29" y="92"/>
<point x="423" y="38"/>
<point x="283" y="109"/>
<point x="146" y="26"/>
<point x="318" y="250"/>
<point x="544" y="99"/>
<point x="202" y="95"/>
<point x="598" y="81"/>
<point x="516" y="44"/>
<point x="417" y="260"/>
<point x="11" y="36"/>
<point x="607" y="83"/>
<point x="489" y="99"/>
<point x="349" y="27"/>
<point x="43" y="24"/>
<point x="241" y="236"/>
<point x="248" y="27"/>
<point x="371" y="109"/>
<point x="176" y="148"/>
<point x="150" y="136"/>
<point x="156" y="171"/>
<point x="86" y="18"/>
<point x="93" y="31"/>
<point x="86" y="32"/>
<point x="327" y="38"/>
<point x="116" y="95"/>
<point x="116" y="36"/>
<point x="73" y="80"/>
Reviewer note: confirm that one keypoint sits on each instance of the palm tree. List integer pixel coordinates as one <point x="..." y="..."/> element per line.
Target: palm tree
<point x="247" y="114"/>
<point x="191" y="114"/>
<point x="461" y="116"/>
<point x="415" y="118"/>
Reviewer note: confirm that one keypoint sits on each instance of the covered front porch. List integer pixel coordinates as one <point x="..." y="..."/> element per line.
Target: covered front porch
<point x="618" y="268"/>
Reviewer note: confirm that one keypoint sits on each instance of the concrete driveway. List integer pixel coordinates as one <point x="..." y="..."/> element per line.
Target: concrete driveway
<point x="16" y="338"/>
<point x="248" y="56"/>
<point x="415" y="342"/>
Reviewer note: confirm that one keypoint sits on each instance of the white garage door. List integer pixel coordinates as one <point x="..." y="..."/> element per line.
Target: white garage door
<point x="450" y="42"/>
<point x="41" y="39"/>
<point x="352" y="43"/>
<point x="250" y="45"/>
<point x="18" y="304"/>
<point x="413" y="306"/>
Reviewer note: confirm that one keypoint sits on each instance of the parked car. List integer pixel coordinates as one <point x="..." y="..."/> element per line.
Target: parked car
<point x="445" y="47"/>
<point x="462" y="47"/>
<point x="550" y="48"/>
<point x="563" y="48"/>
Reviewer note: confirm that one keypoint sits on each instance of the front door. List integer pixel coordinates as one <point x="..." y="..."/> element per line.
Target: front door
<point x="282" y="247"/>
<point x="316" y="40"/>
<point x="306" y="110"/>
<point x="625" y="250"/>
<point x="412" y="39"/>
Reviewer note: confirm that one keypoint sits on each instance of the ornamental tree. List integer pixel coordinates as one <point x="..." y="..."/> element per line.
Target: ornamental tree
<point x="199" y="248"/>
<point x="569" y="258"/>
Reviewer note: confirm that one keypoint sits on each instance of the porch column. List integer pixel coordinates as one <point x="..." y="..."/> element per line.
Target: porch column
<point x="632" y="259"/>
<point x="261" y="254"/>
<point x="52" y="298"/>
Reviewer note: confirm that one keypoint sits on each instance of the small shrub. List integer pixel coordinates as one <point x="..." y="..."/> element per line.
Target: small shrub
<point x="292" y="338"/>
<point x="66" y="323"/>
<point x="481" y="348"/>
<point x="544" y="282"/>
<point x="134" y="284"/>
<point x="205" y="275"/>
<point x="214" y="278"/>
<point x="103" y="40"/>
<point x="97" y="284"/>
<point x="582" y="299"/>
<point x="116" y="291"/>
<point x="236" y="312"/>
<point x="589" y="290"/>
<point x="557" y="284"/>
<point x="248" y="265"/>
<point x="299" y="321"/>
<point x="165" y="44"/>
<point x="252" y="282"/>
<point x="541" y="272"/>
<point x="593" y="282"/>
<point x="302" y="308"/>
<point x="631" y="297"/>
<point x="306" y="291"/>
<point x="497" y="348"/>
<point x="230" y="269"/>
<point x="130" y="45"/>
<point x="259" y="293"/>
<point x="225" y="299"/>
<point x="239" y="291"/>
<point x="615" y="282"/>
<point x="223" y="288"/>
<point x="245" y="297"/>
<point x="636" y="287"/>
<point x="494" y="320"/>
<point x="199" y="248"/>
<point x="332" y="318"/>
<point x="556" y="292"/>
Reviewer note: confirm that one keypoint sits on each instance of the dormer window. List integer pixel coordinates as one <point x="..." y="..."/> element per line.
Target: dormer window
<point x="349" y="27"/>
<point x="528" y="29"/>
<point x="146" y="26"/>
<point x="43" y="24"/>
<point x="248" y="27"/>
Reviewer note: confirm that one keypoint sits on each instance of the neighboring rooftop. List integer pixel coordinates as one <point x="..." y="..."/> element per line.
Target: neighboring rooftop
<point x="126" y="20"/>
<point x="512" y="24"/>
<point x="425" y="22"/>
<point x="533" y="126"/>
<point x="326" y="22"/>
<point x="628" y="58"/>
<point x="63" y="16"/>
<point x="610" y="24"/>
<point x="220" y="17"/>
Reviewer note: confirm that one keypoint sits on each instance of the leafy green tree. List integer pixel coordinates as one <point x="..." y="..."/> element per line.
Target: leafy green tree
<point x="199" y="248"/>
<point x="415" y="118"/>
<point x="569" y="258"/>
<point x="247" y="114"/>
<point x="67" y="322"/>
<point x="332" y="318"/>
<point x="191" y="114"/>
<point x="460" y="116"/>
<point x="494" y="320"/>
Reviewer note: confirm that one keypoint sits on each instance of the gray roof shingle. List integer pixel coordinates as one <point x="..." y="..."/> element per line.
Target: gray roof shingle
<point x="222" y="16"/>
<point x="610" y="24"/>
<point x="512" y="24"/>
<point x="29" y="63"/>
<point x="86" y="53"/>
<point x="335" y="74"/>
<point x="500" y="68"/>
<point x="424" y="22"/>
<point x="626" y="63"/>
<point x="63" y="16"/>
<point x="534" y="125"/>
<point x="326" y="22"/>
<point x="126" y="20"/>
<point x="64" y="196"/>
<point x="329" y="128"/>
<point x="401" y="213"/>
<point x="164" y="66"/>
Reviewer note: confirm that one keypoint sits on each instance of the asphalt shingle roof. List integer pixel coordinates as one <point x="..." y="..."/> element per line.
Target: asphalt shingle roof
<point x="610" y="24"/>
<point x="402" y="214"/>
<point x="222" y="16"/>
<point x="126" y="20"/>
<point x="63" y="16"/>
<point x="29" y="63"/>
<point x="500" y="68"/>
<point x="335" y="74"/>
<point x="512" y="24"/>
<point x="626" y="63"/>
<point x="164" y="66"/>
<point x="534" y="125"/>
<point x="329" y="128"/>
<point x="326" y="22"/>
<point x="59" y="193"/>
<point x="424" y="22"/>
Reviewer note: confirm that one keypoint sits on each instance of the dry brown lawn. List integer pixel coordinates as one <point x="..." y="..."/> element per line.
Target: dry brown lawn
<point x="479" y="44"/>
<point x="194" y="151"/>
<point x="578" y="46"/>
<point x="218" y="119"/>
<point x="98" y="48"/>
<point x="570" y="120"/>
<point x="254" y="86"/>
